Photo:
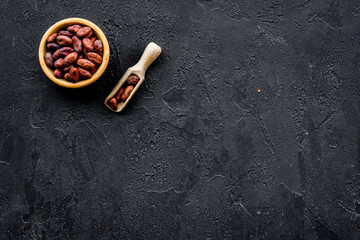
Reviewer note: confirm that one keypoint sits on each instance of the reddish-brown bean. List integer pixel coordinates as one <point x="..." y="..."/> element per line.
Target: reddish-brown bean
<point x="89" y="35"/>
<point x="67" y="76"/>
<point x="86" y="64"/>
<point x="73" y="28"/>
<point x="127" y="93"/>
<point x="66" y="69"/>
<point x="65" y="33"/>
<point x="65" y="51"/>
<point x="84" y="31"/>
<point x="58" y="73"/>
<point x="52" y="46"/>
<point x="52" y="37"/>
<point x="95" y="58"/>
<point x="59" y="63"/>
<point x="64" y="40"/>
<point x="84" y="73"/>
<point x="74" y="74"/>
<point x="70" y="59"/>
<point x="98" y="47"/>
<point x="93" y="39"/>
<point x="118" y="94"/>
<point x="49" y="60"/>
<point x="133" y="80"/>
<point x="77" y="44"/>
<point x="113" y="103"/>
<point x="88" y="45"/>
<point x="94" y="69"/>
<point x="56" y="54"/>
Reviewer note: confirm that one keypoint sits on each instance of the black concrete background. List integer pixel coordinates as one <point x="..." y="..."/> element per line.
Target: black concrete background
<point x="199" y="153"/>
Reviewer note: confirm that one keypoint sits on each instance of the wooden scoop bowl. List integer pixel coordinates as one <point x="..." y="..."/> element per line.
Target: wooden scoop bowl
<point x="152" y="51"/>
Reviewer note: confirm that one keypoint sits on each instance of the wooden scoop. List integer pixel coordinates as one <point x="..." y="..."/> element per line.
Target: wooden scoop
<point x="152" y="51"/>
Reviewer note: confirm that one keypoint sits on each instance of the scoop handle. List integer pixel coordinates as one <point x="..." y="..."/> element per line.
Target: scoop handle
<point x="151" y="52"/>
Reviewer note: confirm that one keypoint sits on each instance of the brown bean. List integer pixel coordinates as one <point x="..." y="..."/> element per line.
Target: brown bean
<point x="65" y="51"/>
<point x="56" y="54"/>
<point x="49" y="61"/>
<point x="70" y="59"/>
<point x="113" y="103"/>
<point x="65" y="33"/>
<point x="67" y="76"/>
<point x="88" y="45"/>
<point x="84" y="63"/>
<point x="89" y="35"/>
<point x="84" y="73"/>
<point x="74" y="28"/>
<point x="74" y="74"/>
<point x="58" y="73"/>
<point x="67" y="68"/>
<point x="133" y="80"/>
<point x="127" y="93"/>
<point x="53" y="46"/>
<point x="93" y="39"/>
<point x="64" y="40"/>
<point x="98" y="47"/>
<point x="118" y="94"/>
<point x="82" y="32"/>
<point x="94" y="69"/>
<point x="95" y="58"/>
<point x="59" y="63"/>
<point x="52" y="37"/>
<point x="77" y="44"/>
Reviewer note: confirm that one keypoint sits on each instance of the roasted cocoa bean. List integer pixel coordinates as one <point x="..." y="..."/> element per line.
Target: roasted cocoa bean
<point x="95" y="58"/>
<point x="67" y="68"/>
<point x="113" y="103"/>
<point x="52" y="37"/>
<point x="56" y="54"/>
<point x="118" y="94"/>
<point x="77" y="44"/>
<point x="70" y="59"/>
<point x="64" y="40"/>
<point x="65" y="33"/>
<point x="94" y="69"/>
<point x="74" y="74"/>
<point x="83" y="31"/>
<point x="73" y="28"/>
<point x="89" y="35"/>
<point x="65" y="51"/>
<point x="127" y="93"/>
<point x="93" y="39"/>
<point x="88" y="45"/>
<point x="84" y="73"/>
<point x="98" y="47"/>
<point x="86" y="64"/>
<point x="133" y="80"/>
<point x="58" y="73"/>
<point x="59" y="63"/>
<point x="67" y="76"/>
<point x="49" y="61"/>
<point x="53" y="46"/>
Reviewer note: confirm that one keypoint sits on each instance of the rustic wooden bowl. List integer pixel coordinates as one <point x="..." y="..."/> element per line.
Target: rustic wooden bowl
<point x="60" y="25"/>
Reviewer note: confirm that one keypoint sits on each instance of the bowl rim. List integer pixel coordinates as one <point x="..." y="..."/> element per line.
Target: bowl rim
<point x="56" y="27"/>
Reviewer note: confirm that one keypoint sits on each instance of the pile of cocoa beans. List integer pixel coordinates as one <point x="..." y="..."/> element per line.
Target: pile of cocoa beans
<point x="74" y="53"/>
<point x="124" y="91"/>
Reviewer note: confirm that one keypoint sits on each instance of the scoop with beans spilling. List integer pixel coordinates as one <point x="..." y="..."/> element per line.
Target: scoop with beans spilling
<point x="74" y="53"/>
<point x="124" y="92"/>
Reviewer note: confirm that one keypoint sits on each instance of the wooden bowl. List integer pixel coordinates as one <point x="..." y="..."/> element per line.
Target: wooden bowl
<point x="63" y="24"/>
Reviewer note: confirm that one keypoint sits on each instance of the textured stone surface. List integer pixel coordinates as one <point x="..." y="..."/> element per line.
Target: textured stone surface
<point x="199" y="153"/>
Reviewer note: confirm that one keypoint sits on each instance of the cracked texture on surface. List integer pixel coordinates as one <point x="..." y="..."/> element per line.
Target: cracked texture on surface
<point x="198" y="153"/>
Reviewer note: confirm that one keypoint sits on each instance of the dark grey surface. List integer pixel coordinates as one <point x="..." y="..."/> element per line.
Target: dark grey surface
<point x="199" y="153"/>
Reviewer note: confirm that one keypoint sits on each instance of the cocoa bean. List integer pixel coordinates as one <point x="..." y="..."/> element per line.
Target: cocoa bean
<point x="93" y="39"/>
<point x="83" y="31"/>
<point x="95" y="58"/>
<point x="113" y="103"/>
<point x="53" y="46"/>
<point x="59" y="63"/>
<point x="67" y="68"/>
<point x="98" y="47"/>
<point x="65" y="33"/>
<point x="58" y="73"/>
<point x="118" y="94"/>
<point x="133" y="80"/>
<point x="127" y="93"/>
<point x="65" y="51"/>
<point x="49" y="61"/>
<point x="67" y="76"/>
<point x="56" y="54"/>
<point x="88" y="45"/>
<point x="74" y="74"/>
<point x="70" y="59"/>
<point x="77" y="44"/>
<point x="73" y="28"/>
<point x="52" y="37"/>
<point x="64" y="40"/>
<point x="86" y="64"/>
<point x="84" y="73"/>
